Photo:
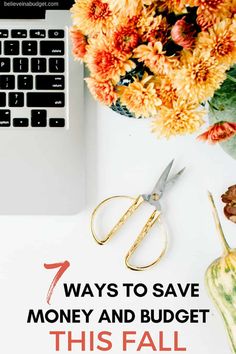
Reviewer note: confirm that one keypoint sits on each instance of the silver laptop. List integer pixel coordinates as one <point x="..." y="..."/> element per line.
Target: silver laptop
<point x="41" y="111"/>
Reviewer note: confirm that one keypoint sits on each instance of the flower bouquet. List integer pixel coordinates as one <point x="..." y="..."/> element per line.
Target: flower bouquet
<point x="159" y="59"/>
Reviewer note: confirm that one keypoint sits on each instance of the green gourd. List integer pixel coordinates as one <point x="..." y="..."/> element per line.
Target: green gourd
<point x="221" y="282"/>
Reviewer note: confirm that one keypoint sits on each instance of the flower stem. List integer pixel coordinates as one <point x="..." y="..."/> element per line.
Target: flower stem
<point x="231" y="78"/>
<point x="213" y="109"/>
<point x="218" y="224"/>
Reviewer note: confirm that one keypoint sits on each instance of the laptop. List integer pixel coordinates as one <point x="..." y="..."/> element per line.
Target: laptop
<point x="41" y="110"/>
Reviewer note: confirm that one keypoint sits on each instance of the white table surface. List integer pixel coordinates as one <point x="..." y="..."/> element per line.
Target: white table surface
<point x="123" y="157"/>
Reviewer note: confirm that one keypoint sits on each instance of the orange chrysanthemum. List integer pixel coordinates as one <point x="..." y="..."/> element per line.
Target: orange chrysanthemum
<point x="211" y="5"/>
<point x="233" y="7"/>
<point x="177" y="6"/>
<point x="183" y="33"/>
<point x="199" y="76"/>
<point x="140" y="97"/>
<point x="92" y="16"/>
<point x="170" y="82"/>
<point x="129" y="7"/>
<point x="183" y="118"/>
<point x="160" y="33"/>
<point x="219" y="132"/>
<point x="104" y="64"/>
<point x="220" y="40"/>
<point x="103" y="91"/>
<point x="166" y="92"/>
<point x="154" y="58"/>
<point x="211" y="11"/>
<point x="79" y="43"/>
<point x="125" y="39"/>
<point x="152" y="28"/>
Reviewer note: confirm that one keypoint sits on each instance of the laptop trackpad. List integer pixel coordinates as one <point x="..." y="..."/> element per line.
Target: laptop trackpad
<point x="40" y="173"/>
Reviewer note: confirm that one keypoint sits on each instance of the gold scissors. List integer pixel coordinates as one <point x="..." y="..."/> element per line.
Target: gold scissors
<point x="154" y="199"/>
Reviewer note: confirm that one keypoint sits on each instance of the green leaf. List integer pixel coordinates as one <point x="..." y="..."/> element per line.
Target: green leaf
<point x="223" y="108"/>
<point x="230" y="147"/>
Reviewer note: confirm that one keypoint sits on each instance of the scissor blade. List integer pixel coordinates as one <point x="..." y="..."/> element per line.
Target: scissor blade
<point x="161" y="183"/>
<point x="173" y="179"/>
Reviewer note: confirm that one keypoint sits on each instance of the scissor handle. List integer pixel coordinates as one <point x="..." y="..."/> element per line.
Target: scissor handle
<point x="137" y="202"/>
<point x="155" y="217"/>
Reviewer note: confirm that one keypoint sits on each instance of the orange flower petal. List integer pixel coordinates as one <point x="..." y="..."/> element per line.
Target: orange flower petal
<point x="103" y="91"/>
<point x="219" y="132"/>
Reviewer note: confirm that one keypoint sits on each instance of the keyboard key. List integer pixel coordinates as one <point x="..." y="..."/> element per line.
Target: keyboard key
<point x="38" y="65"/>
<point x="29" y="47"/>
<point x="45" y="99"/>
<point x="7" y="82"/>
<point x="5" y="118"/>
<point x="38" y="33"/>
<point x="5" y="65"/>
<point x="56" y="33"/>
<point x="19" y="33"/>
<point x="39" y="118"/>
<point x="52" y="48"/>
<point x="20" y="122"/>
<point x="25" y="82"/>
<point x="50" y="82"/>
<point x="56" y="65"/>
<point x="20" y="65"/>
<point x="38" y="113"/>
<point x="2" y="99"/>
<point x="57" y="122"/>
<point x="11" y="48"/>
<point x="3" y="33"/>
<point x="16" y="99"/>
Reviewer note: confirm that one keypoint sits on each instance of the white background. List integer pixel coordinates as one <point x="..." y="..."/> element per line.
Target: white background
<point x="123" y="157"/>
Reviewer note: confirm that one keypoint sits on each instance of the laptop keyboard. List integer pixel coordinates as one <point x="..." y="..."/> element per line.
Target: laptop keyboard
<point x="32" y="78"/>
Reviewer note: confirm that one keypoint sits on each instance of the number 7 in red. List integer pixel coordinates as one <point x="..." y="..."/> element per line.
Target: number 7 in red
<point x="62" y="268"/>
